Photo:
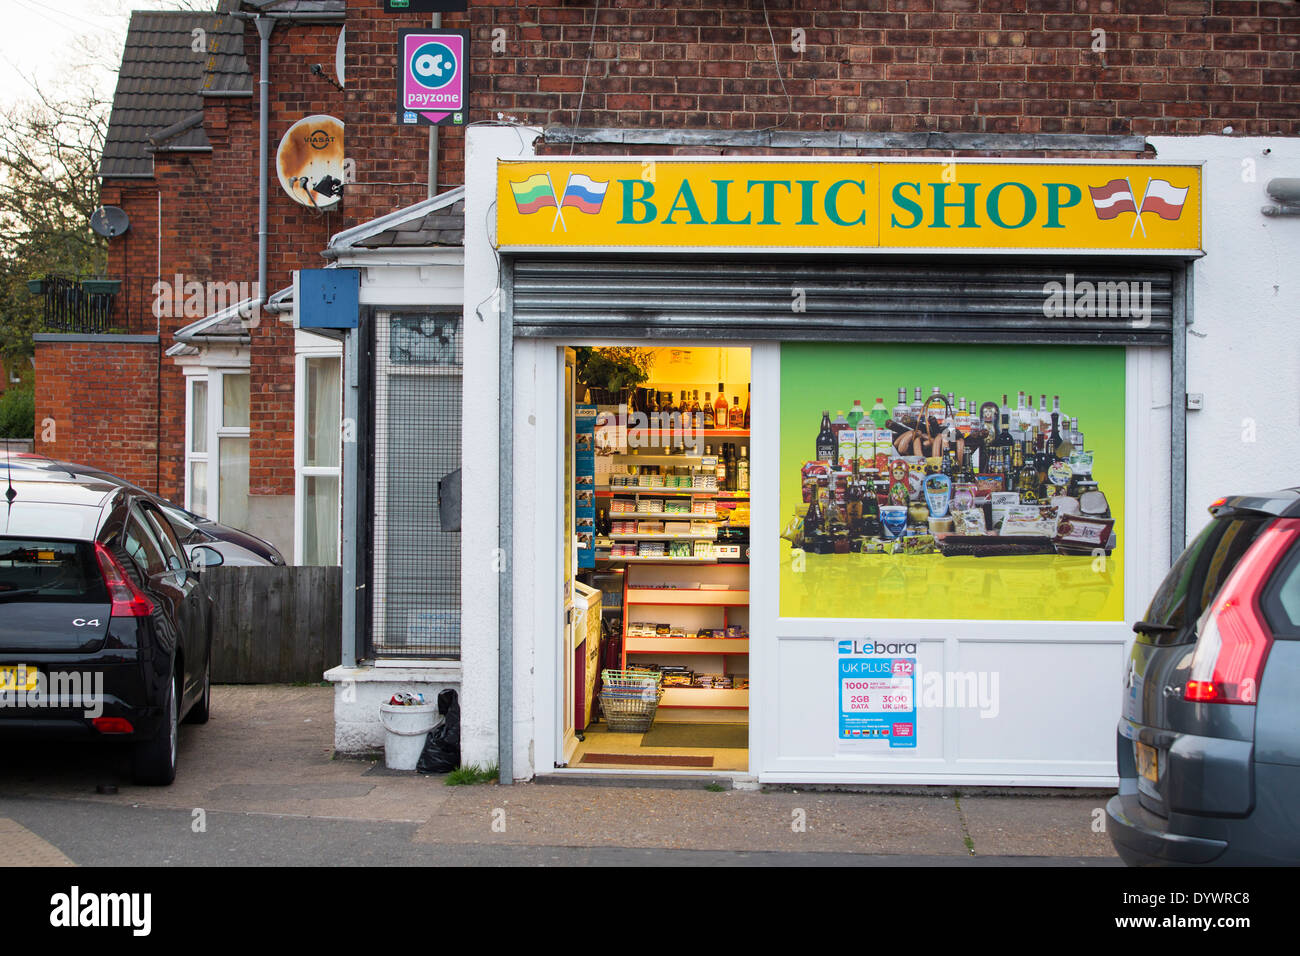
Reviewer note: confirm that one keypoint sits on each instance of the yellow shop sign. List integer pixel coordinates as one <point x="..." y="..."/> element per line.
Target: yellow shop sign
<point x="797" y="204"/>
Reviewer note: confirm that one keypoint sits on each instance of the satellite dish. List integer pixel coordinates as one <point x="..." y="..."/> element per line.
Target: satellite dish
<point x="309" y="161"/>
<point x="338" y="57"/>
<point x="109" y="221"/>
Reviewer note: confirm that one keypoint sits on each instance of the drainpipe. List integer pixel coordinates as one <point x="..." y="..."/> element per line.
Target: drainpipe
<point x="264" y="27"/>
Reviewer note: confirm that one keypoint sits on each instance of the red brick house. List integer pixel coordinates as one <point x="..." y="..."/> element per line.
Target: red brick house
<point x="214" y="407"/>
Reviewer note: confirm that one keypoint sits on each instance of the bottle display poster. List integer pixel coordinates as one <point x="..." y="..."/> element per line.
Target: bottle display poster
<point x="877" y="699"/>
<point x="584" y="476"/>
<point x="954" y="482"/>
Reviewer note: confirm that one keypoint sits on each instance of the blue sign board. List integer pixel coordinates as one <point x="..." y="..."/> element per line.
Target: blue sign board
<point x="328" y="298"/>
<point x="877" y="699"/>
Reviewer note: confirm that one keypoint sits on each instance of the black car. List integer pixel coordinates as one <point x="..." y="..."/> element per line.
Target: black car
<point x="1209" y="738"/>
<point x="233" y="547"/>
<point x="104" y="631"/>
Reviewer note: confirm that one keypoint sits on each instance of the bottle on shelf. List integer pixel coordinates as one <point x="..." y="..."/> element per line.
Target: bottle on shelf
<point x="720" y="408"/>
<point x="708" y="412"/>
<point x="839" y="424"/>
<point x="963" y="418"/>
<point x="813" y="519"/>
<point x="722" y="468"/>
<point x="742" y="471"/>
<point x="902" y="408"/>
<point x="826" y="449"/>
<point x="879" y="413"/>
<point x="1042" y="421"/>
<point x="697" y="419"/>
<point x="1059" y="447"/>
<point x="748" y="397"/>
<point x="856" y="413"/>
<point x="1020" y="419"/>
<point x="736" y="417"/>
<point x="999" y="460"/>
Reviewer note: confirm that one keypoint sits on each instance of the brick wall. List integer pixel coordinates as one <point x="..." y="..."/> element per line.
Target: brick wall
<point x="102" y="400"/>
<point x="392" y="158"/>
<point x="1169" y="66"/>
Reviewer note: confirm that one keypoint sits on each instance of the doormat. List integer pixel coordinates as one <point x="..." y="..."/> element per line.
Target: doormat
<point x="698" y="736"/>
<point x="648" y="760"/>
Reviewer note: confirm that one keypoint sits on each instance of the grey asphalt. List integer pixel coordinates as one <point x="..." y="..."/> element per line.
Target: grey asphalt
<point x="263" y="778"/>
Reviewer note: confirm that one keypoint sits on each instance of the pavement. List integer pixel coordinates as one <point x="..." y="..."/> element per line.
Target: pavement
<point x="260" y="784"/>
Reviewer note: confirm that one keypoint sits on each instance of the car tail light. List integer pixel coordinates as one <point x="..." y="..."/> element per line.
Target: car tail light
<point x="128" y="600"/>
<point x="112" y="725"/>
<point x="1233" y="640"/>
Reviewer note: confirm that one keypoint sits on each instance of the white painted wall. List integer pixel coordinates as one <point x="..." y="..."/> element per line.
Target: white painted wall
<point x="1243" y="350"/>
<point x="479" y="537"/>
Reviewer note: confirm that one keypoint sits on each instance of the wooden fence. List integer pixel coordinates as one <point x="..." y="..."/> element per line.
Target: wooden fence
<point x="274" y="625"/>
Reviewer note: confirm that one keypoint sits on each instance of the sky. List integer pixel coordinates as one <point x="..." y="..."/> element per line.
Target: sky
<point x="67" y="41"/>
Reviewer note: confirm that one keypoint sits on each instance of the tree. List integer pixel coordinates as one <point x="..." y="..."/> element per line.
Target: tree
<point x="49" y="187"/>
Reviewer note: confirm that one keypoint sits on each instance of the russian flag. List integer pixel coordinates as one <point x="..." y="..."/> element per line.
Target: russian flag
<point x="584" y="193"/>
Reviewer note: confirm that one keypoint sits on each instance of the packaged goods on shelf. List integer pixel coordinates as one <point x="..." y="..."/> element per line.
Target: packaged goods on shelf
<point x="703" y="549"/>
<point x="680" y="549"/>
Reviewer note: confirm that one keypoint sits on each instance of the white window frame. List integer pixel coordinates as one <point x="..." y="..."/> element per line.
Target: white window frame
<point x="216" y="431"/>
<point x="302" y="471"/>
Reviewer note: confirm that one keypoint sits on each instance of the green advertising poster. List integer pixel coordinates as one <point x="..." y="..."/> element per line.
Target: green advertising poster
<point x="912" y="523"/>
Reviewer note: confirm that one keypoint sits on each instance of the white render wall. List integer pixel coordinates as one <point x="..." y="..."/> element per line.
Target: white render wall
<point x="1243" y="347"/>
<point x="479" y="502"/>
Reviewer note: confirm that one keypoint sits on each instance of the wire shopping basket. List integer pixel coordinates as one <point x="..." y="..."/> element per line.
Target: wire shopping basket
<point x="629" y="699"/>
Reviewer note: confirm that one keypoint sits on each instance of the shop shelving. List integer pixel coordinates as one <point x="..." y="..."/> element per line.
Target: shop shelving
<point x="689" y="698"/>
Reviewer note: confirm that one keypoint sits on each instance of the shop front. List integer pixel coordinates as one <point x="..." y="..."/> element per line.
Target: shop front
<point x="947" y="389"/>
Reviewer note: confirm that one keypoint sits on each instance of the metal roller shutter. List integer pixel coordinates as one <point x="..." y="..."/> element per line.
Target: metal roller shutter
<point x="719" y="298"/>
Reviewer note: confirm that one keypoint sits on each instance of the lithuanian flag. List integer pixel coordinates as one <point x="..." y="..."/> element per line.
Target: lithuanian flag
<point x="534" y="193"/>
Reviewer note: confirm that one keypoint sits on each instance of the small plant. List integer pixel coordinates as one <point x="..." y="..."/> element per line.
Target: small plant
<point x="613" y="368"/>
<point x="715" y="788"/>
<point x="18" y="412"/>
<point x="472" y="774"/>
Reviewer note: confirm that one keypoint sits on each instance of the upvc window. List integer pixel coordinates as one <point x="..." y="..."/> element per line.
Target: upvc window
<point x="317" y="454"/>
<point x="216" y="446"/>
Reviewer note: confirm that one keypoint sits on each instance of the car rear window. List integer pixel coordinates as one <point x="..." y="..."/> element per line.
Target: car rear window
<point x="1282" y="597"/>
<point x="36" y="569"/>
<point x="1199" y="572"/>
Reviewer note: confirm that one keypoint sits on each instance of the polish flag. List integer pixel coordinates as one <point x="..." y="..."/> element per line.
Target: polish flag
<point x="1164" y="199"/>
<point x="1113" y="198"/>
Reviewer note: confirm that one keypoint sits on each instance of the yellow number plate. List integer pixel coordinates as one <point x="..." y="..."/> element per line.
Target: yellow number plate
<point x="18" y="678"/>
<point x="1148" y="761"/>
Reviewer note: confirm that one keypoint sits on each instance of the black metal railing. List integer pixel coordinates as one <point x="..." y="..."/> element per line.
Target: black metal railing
<point x="80" y="305"/>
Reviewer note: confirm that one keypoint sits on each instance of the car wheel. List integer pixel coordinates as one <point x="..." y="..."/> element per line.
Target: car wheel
<point x="202" y="708"/>
<point x="155" y="760"/>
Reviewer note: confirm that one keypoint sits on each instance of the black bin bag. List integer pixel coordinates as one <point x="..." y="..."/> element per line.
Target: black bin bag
<point x="441" y="752"/>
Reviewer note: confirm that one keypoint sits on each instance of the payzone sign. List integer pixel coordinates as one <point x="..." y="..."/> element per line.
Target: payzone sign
<point x="877" y="696"/>
<point x="433" y="77"/>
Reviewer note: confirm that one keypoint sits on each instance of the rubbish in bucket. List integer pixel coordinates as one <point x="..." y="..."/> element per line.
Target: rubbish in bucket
<point x="442" y="747"/>
<point x="405" y="699"/>
<point x="405" y="727"/>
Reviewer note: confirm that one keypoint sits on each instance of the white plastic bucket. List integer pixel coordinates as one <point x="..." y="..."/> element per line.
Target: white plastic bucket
<point x="405" y="728"/>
